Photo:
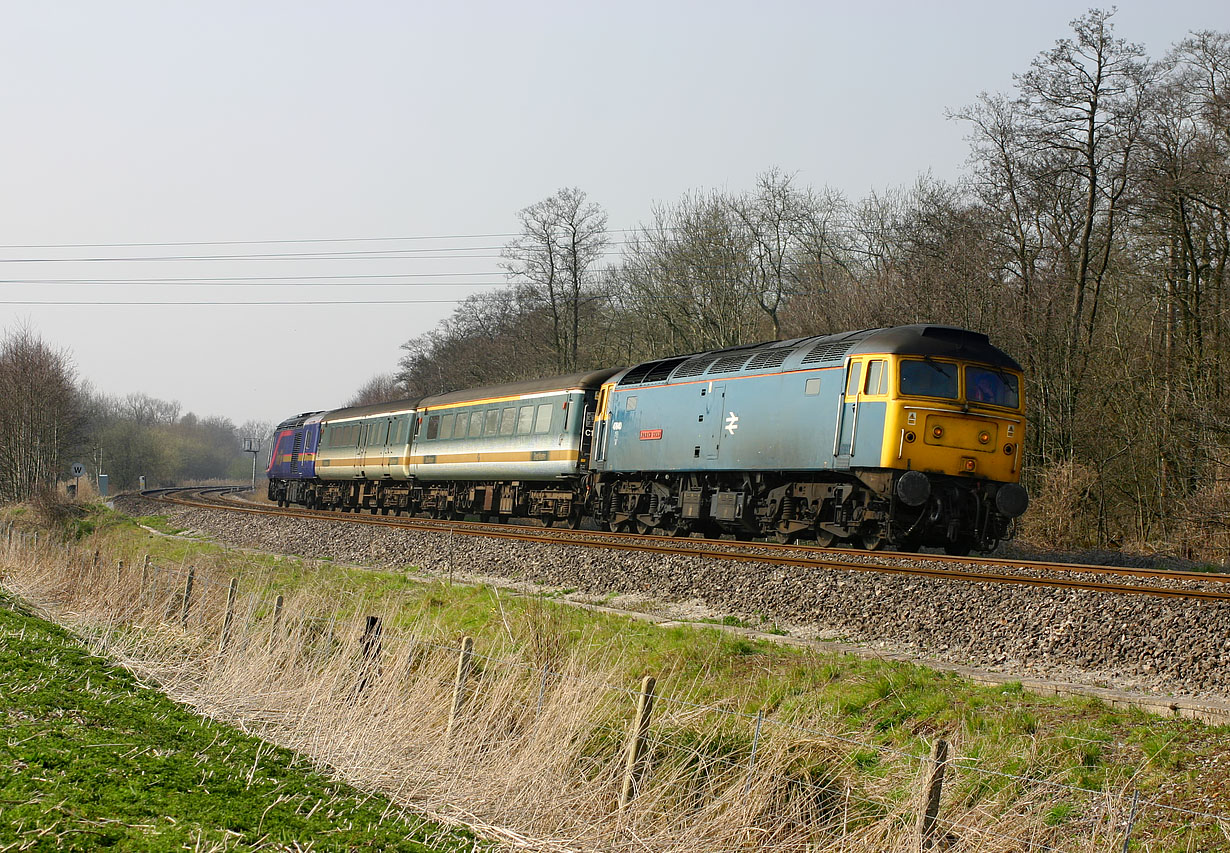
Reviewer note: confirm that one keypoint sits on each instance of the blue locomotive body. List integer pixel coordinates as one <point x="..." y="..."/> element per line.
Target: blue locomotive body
<point x="771" y="408"/>
<point x="292" y="460"/>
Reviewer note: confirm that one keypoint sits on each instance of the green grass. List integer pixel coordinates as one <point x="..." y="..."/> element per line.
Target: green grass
<point x="90" y="759"/>
<point x="879" y="703"/>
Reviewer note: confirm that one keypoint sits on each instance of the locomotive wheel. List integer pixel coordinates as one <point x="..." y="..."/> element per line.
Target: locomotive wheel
<point x="679" y="528"/>
<point x="874" y="542"/>
<point x="546" y="520"/>
<point x="573" y="522"/>
<point x="642" y="527"/>
<point x="826" y="538"/>
<point x="784" y="538"/>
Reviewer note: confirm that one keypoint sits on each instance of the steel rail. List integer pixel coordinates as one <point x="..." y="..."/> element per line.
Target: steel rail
<point x="679" y="549"/>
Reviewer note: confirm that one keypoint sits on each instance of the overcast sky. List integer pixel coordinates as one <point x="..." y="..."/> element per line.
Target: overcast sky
<point x="222" y="122"/>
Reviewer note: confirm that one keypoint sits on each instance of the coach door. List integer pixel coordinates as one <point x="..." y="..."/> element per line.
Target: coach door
<point x="847" y="417"/>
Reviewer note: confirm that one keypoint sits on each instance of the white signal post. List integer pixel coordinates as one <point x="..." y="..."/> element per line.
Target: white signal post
<point x="253" y="446"/>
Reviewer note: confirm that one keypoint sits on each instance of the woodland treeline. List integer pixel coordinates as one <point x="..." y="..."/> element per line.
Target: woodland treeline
<point x="48" y="420"/>
<point x="1088" y="237"/>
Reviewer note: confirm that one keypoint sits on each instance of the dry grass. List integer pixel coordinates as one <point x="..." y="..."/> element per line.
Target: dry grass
<point x="536" y="756"/>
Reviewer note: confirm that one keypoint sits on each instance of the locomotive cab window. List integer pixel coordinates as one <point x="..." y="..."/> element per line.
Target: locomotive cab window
<point x="877" y="376"/>
<point x="929" y="378"/>
<point x="852" y="384"/>
<point x="991" y="388"/>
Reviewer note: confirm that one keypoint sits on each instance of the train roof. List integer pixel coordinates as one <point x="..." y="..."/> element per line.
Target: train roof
<point x="392" y="407"/>
<point x="926" y="340"/>
<point x="587" y="380"/>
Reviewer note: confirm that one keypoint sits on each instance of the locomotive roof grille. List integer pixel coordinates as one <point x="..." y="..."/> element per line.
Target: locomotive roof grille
<point x="637" y="375"/>
<point x="768" y="358"/>
<point x="693" y="367"/>
<point x="663" y="369"/>
<point x="828" y="351"/>
<point x="729" y="364"/>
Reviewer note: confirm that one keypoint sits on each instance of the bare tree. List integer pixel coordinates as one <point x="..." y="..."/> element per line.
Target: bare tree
<point x="39" y="413"/>
<point x="554" y="262"/>
<point x="382" y="388"/>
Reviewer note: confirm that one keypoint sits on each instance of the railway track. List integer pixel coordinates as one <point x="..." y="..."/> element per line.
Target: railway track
<point x="1110" y="579"/>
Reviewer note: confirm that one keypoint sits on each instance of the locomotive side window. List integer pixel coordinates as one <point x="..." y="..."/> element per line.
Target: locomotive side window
<point x="877" y="377"/>
<point x="446" y="426"/>
<point x="812" y="387"/>
<point x="992" y="388"/>
<point x="476" y="424"/>
<point x="543" y="423"/>
<point x="433" y="427"/>
<point x="856" y="373"/>
<point x="929" y="378"/>
<point x="491" y="423"/>
<point x="508" y="420"/>
<point x="525" y="420"/>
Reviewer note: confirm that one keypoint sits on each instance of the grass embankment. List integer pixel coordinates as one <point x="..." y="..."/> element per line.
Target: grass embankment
<point x="92" y="759"/>
<point x="538" y="743"/>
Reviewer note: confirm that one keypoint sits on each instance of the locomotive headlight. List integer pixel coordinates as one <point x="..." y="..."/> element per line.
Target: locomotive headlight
<point x="968" y="465"/>
<point x="984" y="437"/>
<point x="937" y="432"/>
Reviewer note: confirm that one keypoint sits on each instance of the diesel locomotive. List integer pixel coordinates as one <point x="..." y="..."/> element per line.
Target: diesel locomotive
<point x="899" y="437"/>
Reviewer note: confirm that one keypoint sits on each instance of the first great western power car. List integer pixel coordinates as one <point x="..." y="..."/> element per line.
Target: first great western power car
<point x="900" y="437"/>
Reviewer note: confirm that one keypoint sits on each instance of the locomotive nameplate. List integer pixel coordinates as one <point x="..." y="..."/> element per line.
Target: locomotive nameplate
<point x="651" y="434"/>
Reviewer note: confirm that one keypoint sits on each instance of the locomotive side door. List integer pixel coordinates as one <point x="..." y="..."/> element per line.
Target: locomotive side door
<point x="715" y="411"/>
<point x="847" y="415"/>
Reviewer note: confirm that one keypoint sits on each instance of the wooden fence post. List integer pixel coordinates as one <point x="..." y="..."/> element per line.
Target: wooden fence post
<point x="183" y="618"/>
<point x="928" y="815"/>
<point x="370" y="644"/>
<point x="277" y="613"/>
<point x="634" y="763"/>
<point x="145" y="575"/>
<point x="230" y="615"/>
<point x="459" y="686"/>
<point x="119" y="570"/>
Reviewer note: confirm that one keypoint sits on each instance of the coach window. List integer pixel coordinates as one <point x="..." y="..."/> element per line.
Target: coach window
<point x="446" y="426"/>
<point x="508" y="420"/>
<point x="491" y="423"/>
<point x="543" y="424"/>
<point x="433" y="427"/>
<point x="525" y="420"/>
<point x="380" y="433"/>
<point x="877" y="376"/>
<point x="812" y="387"/>
<point x="463" y="424"/>
<point x="630" y="404"/>
<point x="476" y="424"/>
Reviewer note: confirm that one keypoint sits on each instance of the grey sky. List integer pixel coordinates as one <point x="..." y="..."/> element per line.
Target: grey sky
<point x="239" y="121"/>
